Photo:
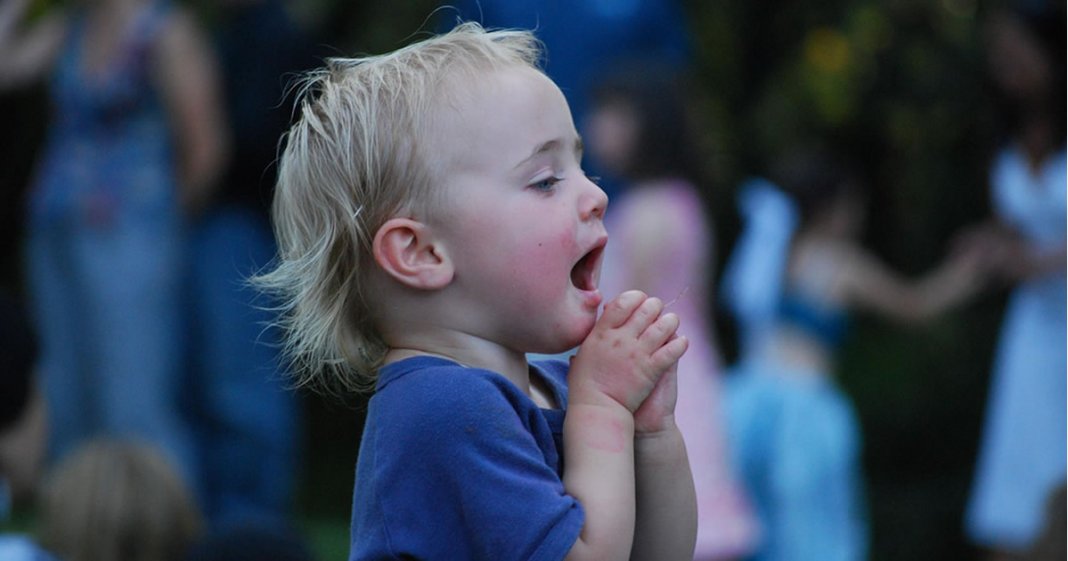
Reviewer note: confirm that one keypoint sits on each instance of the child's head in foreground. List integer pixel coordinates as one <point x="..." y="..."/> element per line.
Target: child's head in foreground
<point x="434" y="196"/>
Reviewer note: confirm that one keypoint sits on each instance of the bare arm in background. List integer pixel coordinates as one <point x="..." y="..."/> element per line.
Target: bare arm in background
<point x="870" y="284"/>
<point x="187" y="74"/>
<point x="27" y="54"/>
<point x="1009" y="255"/>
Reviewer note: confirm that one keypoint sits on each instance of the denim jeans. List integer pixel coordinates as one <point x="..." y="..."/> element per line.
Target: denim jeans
<point x="107" y="303"/>
<point x="246" y="420"/>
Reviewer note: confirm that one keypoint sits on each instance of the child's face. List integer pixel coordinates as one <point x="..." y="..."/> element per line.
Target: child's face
<point x="521" y="222"/>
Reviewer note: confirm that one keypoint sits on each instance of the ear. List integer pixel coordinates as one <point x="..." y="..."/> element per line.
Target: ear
<point x="407" y="250"/>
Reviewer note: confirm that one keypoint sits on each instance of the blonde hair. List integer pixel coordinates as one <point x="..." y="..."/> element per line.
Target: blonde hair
<point x="115" y="500"/>
<point x="355" y="158"/>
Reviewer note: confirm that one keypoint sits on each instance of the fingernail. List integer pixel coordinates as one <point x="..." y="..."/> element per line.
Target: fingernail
<point x="629" y="298"/>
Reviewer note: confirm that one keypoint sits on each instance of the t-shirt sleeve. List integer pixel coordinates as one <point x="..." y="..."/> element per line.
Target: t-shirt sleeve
<point x="461" y="472"/>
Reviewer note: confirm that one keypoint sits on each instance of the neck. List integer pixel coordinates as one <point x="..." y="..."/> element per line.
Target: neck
<point x="463" y="349"/>
<point x="1036" y="138"/>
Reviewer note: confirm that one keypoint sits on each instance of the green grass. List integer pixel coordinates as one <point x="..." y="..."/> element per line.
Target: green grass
<point x="328" y="537"/>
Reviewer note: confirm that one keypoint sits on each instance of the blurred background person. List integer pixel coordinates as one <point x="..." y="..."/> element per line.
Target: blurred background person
<point x="662" y="242"/>
<point x="135" y="141"/>
<point x="247" y="422"/>
<point x="1022" y="459"/>
<point x="753" y="274"/>
<point x="118" y="500"/>
<point x="794" y="433"/>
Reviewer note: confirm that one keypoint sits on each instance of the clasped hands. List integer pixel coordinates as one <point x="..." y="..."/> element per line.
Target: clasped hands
<point x="629" y="360"/>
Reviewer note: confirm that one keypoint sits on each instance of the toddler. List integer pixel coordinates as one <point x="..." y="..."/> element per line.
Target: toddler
<point x="434" y="226"/>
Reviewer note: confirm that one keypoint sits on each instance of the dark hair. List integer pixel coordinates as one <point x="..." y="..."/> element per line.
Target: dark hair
<point x="18" y="356"/>
<point x="815" y="176"/>
<point x="1043" y="20"/>
<point x="657" y="91"/>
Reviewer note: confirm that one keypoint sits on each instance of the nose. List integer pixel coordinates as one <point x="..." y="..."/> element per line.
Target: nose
<point x="593" y="201"/>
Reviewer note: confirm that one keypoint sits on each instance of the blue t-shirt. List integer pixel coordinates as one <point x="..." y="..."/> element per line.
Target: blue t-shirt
<point x="458" y="463"/>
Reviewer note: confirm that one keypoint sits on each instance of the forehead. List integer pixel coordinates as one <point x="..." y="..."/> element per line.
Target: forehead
<point x="497" y="118"/>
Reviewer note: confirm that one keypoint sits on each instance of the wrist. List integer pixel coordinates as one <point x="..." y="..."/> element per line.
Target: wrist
<point x="607" y="409"/>
<point x="666" y="447"/>
<point x="662" y="428"/>
<point x="589" y="394"/>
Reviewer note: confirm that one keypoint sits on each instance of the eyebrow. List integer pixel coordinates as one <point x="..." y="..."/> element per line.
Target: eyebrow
<point x="554" y="144"/>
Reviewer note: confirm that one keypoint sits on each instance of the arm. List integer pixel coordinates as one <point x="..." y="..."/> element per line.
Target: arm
<point x="189" y="83"/>
<point x="1030" y="263"/>
<point x="1016" y="260"/>
<point x="616" y="368"/>
<point x="25" y="55"/>
<point x="666" y="526"/>
<point x="870" y="284"/>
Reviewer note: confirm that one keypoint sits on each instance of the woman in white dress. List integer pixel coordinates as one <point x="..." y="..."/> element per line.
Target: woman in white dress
<point x="1022" y="463"/>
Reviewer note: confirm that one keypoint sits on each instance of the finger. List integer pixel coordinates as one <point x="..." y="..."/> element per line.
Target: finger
<point x="661" y="330"/>
<point x="619" y="310"/>
<point x="643" y="317"/>
<point x="670" y="353"/>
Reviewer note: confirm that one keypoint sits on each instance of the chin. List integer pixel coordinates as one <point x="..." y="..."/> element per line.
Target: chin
<point x="577" y="335"/>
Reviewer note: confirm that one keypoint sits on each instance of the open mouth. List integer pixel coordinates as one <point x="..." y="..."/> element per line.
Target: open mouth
<point x="585" y="273"/>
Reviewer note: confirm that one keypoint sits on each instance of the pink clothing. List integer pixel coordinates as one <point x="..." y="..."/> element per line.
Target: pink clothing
<point x="660" y="243"/>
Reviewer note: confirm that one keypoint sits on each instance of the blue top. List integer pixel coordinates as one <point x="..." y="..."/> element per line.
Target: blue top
<point x="109" y="155"/>
<point x="459" y="463"/>
<point x="828" y="325"/>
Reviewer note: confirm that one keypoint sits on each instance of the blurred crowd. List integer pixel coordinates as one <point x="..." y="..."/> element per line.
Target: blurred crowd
<point x="158" y="402"/>
<point x="145" y="412"/>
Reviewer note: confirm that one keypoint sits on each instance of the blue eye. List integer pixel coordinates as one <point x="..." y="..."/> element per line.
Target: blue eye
<point x="546" y="184"/>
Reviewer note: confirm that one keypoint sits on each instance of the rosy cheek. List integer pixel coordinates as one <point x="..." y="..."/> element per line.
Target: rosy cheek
<point x="539" y="266"/>
<point x="549" y="260"/>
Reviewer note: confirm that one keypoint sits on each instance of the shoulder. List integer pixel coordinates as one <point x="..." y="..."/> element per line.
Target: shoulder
<point x="179" y="30"/>
<point x="820" y="265"/>
<point x="436" y="398"/>
<point x="441" y="380"/>
<point x="448" y="452"/>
